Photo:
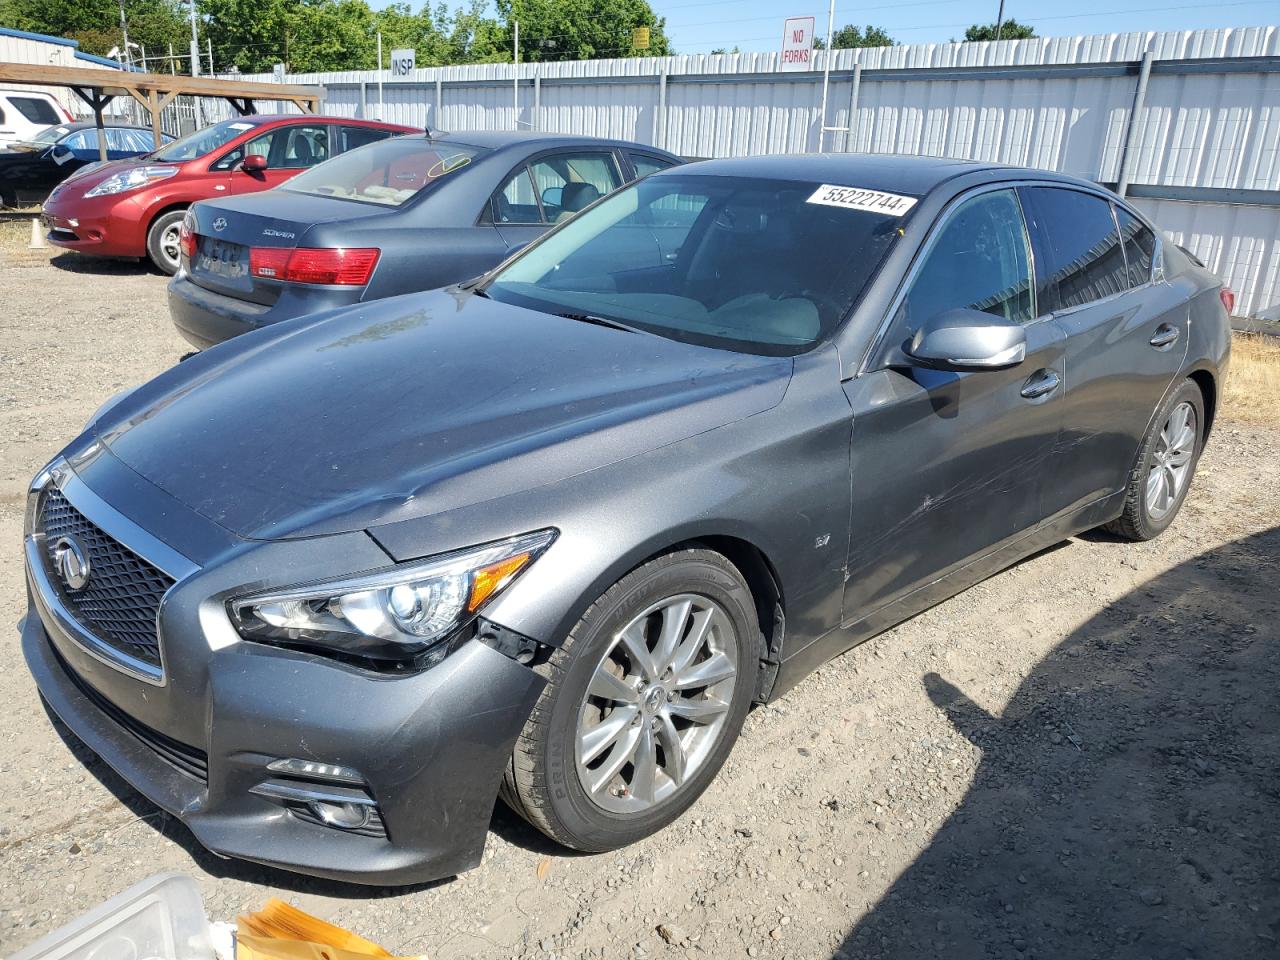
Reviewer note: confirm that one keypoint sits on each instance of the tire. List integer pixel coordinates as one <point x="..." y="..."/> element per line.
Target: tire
<point x="544" y="782"/>
<point x="161" y="237"/>
<point x="1145" y="515"/>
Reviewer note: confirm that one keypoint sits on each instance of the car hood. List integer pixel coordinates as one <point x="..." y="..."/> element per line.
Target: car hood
<point x="417" y="405"/>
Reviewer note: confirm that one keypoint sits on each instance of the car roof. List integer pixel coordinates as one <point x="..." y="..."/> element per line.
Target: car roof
<point x="89" y="125"/>
<point x="904" y="173"/>
<point x="498" y="139"/>
<point x="262" y="118"/>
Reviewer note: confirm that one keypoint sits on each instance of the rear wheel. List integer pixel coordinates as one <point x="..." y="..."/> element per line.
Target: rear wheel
<point x="164" y="246"/>
<point x="643" y="704"/>
<point x="1166" y="463"/>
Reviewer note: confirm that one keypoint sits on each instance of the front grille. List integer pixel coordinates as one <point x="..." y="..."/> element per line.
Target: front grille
<point x="186" y="759"/>
<point x="120" y="602"/>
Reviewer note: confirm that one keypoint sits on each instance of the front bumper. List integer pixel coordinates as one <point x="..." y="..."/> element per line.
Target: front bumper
<point x="103" y="230"/>
<point x="431" y="746"/>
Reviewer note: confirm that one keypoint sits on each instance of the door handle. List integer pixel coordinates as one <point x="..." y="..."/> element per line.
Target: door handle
<point x="1166" y="335"/>
<point x="1040" y="384"/>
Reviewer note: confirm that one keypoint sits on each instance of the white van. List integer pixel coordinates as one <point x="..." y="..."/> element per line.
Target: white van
<point x="24" y="113"/>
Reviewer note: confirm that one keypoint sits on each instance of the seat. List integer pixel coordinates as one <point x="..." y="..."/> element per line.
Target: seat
<point x="576" y="196"/>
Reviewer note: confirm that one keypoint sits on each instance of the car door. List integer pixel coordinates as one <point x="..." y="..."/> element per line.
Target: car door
<point x="947" y="467"/>
<point x="551" y="188"/>
<point x="1126" y="335"/>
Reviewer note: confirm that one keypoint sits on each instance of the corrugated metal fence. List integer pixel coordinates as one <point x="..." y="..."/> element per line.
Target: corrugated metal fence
<point x="1189" y="121"/>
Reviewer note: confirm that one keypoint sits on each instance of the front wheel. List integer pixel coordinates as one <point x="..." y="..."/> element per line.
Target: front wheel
<point x="643" y="704"/>
<point x="1165" y="464"/>
<point x="164" y="241"/>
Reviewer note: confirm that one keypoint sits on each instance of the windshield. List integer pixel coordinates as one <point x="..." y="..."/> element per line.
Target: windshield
<point x="50" y="134"/>
<point x="760" y="266"/>
<point x="203" y="141"/>
<point x="389" y="173"/>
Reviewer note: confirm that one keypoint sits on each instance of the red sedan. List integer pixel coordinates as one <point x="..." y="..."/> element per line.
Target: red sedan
<point x="134" y="208"/>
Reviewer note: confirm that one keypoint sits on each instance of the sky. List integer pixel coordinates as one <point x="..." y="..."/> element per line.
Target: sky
<point x="699" y="26"/>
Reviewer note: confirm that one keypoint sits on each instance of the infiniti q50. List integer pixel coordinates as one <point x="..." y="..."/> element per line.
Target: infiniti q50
<point x="328" y="589"/>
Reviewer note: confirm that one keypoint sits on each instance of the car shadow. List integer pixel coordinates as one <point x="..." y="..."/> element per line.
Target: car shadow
<point x="1127" y="800"/>
<point x="83" y="263"/>
<point x="221" y="867"/>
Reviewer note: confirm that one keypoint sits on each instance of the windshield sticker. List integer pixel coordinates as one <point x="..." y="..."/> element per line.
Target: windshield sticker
<point x="855" y="198"/>
<point x="241" y="126"/>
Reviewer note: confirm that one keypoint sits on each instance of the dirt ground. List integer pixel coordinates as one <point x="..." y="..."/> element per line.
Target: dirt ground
<point x="1078" y="758"/>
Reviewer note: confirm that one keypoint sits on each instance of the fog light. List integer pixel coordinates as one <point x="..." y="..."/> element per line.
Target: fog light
<point x="344" y="816"/>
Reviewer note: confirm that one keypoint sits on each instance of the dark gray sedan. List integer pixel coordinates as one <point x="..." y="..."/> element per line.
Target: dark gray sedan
<point x="325" y="590"/>
<point x="399" y="216"/>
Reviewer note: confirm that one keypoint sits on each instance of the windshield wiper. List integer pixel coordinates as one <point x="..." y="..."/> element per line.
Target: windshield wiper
<point x="598" y="321"/>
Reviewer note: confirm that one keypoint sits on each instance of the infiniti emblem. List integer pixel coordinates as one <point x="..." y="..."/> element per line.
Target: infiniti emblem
<point x="220" y="224"/>
<point x="71" y="562"/>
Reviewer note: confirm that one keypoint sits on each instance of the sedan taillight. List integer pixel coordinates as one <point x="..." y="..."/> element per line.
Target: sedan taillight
<point x="1228" y="299"/>
<point x="187" y="240"/>
<point x="339" y="266"/>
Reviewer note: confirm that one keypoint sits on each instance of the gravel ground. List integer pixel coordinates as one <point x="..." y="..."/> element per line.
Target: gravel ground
<point x="1078" y="758"/>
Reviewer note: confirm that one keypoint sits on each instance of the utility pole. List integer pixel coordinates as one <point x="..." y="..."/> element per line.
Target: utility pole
<point x="381" y="109"/>
<point x="195" y="43"/>
<point x="209" y="46"/>
<point x="124" y="31"/>
<point x="515" y="75"/>
<point x="826" y="73"/>
<point x="1000" y="20"/>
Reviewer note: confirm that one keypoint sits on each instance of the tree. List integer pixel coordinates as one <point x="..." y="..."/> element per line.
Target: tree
<point x="583" y="29"/>
<point x="850" y="36"/>
<point x="153" y="24"/>
<point x="1009" y="30"/>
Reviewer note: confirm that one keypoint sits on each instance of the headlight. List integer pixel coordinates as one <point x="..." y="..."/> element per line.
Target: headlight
<point x="396" y="614"/>
<point x="131" y="179"/>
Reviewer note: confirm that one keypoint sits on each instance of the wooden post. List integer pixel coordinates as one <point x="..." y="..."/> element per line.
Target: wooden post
<point x="98" y="104"/>
<point x="96" y="101"/>
<point x="154" y="106"/>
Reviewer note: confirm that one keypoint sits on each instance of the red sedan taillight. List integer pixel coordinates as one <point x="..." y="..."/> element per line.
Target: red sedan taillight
<point x="340" y="266"/>
<point x="1228" y="299"/>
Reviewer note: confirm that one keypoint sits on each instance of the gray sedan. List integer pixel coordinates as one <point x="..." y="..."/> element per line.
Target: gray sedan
<point x="325" y="590"/>
<point x="398" y="216"/>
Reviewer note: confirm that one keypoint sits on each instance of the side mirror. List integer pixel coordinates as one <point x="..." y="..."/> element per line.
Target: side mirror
<point x="968" y="340"/>
<point x="553" y="196"/>
<point x="253" y="163"/>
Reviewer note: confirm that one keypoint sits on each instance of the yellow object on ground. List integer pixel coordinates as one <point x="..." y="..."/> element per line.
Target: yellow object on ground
<point x="281" y="932"/>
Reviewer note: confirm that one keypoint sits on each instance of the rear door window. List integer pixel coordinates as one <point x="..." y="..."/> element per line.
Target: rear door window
<point x="646" y="165"/>
<point x="979" y="260"/>
<point x="353" y="137"/>
<point x="1139" y="246"/>
<point x="35" y="110"/>
<point x="1079" y="256"/>
<point x="129" y="141"/>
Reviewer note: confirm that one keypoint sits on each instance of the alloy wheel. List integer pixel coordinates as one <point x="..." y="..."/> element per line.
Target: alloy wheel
<point x="171" y="244"/>
<point x="1171" y="461"/>
<point x="656" y="704"/>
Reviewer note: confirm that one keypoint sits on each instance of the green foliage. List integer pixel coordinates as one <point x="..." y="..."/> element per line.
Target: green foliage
<point x="583" y="29"/>
<point x="96" y="23"/>
<point x="315" y="35"/>
<point x="1009" y="30"/>
<point x="851" y="36"/>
